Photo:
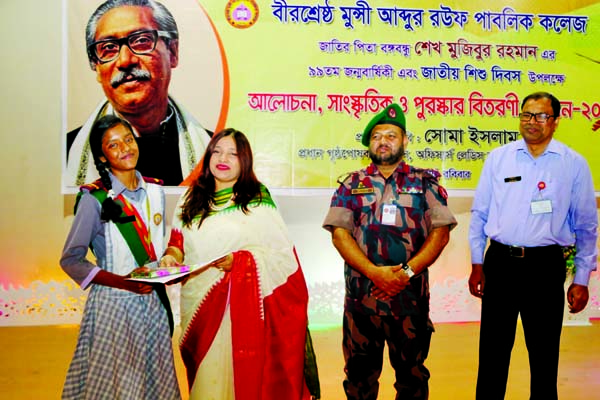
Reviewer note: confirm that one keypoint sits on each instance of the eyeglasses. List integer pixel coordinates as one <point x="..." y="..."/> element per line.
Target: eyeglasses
<point x="139" y="43"/>
<point x="538" y="117"/>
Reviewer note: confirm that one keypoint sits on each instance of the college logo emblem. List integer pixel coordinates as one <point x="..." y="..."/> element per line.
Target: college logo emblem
<point x="241" y="13"/>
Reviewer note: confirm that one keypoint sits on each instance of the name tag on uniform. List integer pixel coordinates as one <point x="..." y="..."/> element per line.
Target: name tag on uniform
<point x="388" y="216"/>
<point x="411" y="190"/>
<point x="541" y="207"/>
<point x="363" y="190"/>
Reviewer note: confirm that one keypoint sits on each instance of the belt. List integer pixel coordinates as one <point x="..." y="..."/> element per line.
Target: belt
<point x="522" y="252"/>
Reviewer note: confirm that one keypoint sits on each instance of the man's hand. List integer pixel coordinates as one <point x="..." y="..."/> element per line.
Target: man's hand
<point x="477" y="280"/>
<point x="389" y="281"/>
<point x="577" y="297"/>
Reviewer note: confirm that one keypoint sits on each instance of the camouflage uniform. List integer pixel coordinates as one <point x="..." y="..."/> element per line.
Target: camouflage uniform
<point x="403" y="322"/>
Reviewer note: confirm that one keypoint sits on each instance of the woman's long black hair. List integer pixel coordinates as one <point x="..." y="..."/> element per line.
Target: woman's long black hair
<point x="201" y="194"/>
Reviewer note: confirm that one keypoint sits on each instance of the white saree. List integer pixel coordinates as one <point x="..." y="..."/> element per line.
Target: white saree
<point x="244" y="331"/>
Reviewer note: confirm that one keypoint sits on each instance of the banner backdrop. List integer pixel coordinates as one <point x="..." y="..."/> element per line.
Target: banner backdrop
<point x="303" y="78"/>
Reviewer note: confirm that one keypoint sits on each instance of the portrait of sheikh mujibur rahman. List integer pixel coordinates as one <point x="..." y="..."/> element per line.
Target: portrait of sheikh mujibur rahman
<point x="132" y="46"/>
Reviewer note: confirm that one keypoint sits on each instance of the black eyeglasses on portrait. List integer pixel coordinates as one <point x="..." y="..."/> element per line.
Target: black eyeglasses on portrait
<point x="143" y="42"/>
<point x="538" y="117"/>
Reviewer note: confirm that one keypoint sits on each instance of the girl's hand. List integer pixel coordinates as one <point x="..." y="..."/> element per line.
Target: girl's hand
<point x="137" y="287"/>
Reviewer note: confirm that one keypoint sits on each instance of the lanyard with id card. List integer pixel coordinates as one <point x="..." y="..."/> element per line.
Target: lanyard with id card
<point x="388" y="214"/>
<point x="541" y="206"/>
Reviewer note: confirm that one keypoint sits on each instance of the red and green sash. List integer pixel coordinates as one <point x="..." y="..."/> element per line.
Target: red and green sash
<point x="136" y="234"/>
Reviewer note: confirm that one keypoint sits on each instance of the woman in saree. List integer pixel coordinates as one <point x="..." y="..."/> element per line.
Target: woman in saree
<point x="244" y="318"/>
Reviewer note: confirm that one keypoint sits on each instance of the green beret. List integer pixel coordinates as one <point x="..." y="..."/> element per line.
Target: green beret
<point x="392" y="114"/>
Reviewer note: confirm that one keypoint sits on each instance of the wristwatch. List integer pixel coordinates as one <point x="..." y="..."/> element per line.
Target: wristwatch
<point x="408" y="270"/>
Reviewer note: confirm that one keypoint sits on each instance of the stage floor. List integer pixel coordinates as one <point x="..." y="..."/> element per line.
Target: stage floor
<point x="34" y="361"/>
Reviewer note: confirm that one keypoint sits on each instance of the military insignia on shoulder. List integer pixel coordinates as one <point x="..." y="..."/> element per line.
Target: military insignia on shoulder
<point x="432" y="173"/>
<point x="362" y="189"/>
<point x="344" y="177"/>
<point x="442" y="192"/>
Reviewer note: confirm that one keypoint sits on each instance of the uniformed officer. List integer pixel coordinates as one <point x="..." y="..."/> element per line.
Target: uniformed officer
<point x="389" y="222"/>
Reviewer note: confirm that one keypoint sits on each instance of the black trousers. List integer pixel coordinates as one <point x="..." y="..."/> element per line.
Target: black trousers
<point x="531" y="286"/>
